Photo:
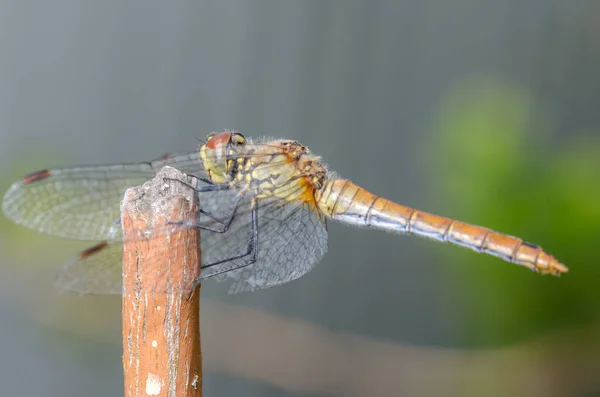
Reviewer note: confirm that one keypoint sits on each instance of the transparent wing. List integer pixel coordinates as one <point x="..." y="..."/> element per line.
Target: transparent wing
<point x="292" y="239"/>
<point x="83" y="202"/>
<point x="97" y="270"/>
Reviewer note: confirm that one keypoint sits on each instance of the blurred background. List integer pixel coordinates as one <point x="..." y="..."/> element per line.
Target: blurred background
<point x="485" y="111"/>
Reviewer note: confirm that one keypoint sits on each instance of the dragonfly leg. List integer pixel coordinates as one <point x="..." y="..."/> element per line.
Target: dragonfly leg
<point x="225" y="223"/>
<point x="251" y="251"/>
<point x="212" y="217"/>
<point x="209" y="187"/>
<point x="213" y="188"/>
<point x="205" y="180"/>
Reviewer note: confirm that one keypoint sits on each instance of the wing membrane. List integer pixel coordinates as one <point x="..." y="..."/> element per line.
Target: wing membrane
<point x="292" y="238"/>
<point x="98" y="272"/>
<point x="83" y="202"/>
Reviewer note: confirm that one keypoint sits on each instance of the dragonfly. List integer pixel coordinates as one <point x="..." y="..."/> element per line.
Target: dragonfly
<point x="263" y="218"/>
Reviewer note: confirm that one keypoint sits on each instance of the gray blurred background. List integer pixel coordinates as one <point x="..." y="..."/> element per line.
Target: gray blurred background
<point x="482" y="110"/>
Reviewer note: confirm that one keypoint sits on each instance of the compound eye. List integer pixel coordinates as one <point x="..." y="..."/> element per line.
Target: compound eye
<point x="218" y="139"/>
<point x="237" y="139"/>
<point x="211" y="135"/>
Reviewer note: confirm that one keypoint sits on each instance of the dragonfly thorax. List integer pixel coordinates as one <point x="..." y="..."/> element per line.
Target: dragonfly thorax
<point x="283" y="169"/>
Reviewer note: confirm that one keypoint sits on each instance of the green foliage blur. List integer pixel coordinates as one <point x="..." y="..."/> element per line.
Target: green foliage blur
<point x="495" y="162"/>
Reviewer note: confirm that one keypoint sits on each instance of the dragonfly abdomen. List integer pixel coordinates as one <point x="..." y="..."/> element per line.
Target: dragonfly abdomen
<point x="345" y="201"/>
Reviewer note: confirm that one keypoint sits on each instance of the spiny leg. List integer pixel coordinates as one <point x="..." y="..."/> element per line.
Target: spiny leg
<point x="210" y="187"/>
<point x="205" y="180"/>
<point x="251" y="251"/>
<point x="225" y="223"/>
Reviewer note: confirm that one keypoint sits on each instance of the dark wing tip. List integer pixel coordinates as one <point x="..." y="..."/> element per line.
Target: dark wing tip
<point x="93" y="249"/>
<point x="165" y="156"/>
<point x="37" y="176"/>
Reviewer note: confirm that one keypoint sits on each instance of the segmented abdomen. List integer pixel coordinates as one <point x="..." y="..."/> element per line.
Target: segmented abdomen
<point x="345" y="201"/>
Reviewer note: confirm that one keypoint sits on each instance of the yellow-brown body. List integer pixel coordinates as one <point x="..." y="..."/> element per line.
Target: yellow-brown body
<point x="287" y="170"/>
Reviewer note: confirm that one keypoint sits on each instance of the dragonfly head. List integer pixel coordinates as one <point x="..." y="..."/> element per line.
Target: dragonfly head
<point x="218" y="154"/>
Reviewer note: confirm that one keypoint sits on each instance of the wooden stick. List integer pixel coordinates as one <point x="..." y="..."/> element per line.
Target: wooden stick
<point x="161" y="328"/>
